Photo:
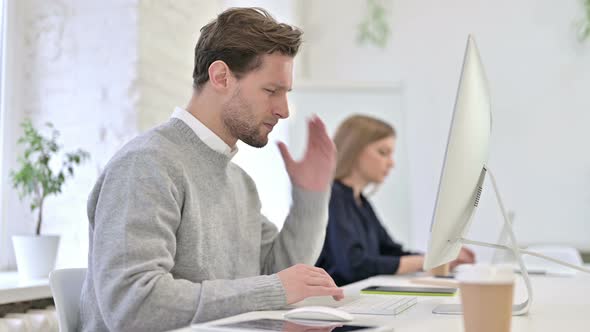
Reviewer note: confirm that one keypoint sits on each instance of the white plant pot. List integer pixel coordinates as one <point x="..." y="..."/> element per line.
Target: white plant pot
<point x="35" y="255"/>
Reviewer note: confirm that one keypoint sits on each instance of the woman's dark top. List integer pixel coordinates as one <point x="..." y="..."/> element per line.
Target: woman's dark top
<point x="357" y="246"/>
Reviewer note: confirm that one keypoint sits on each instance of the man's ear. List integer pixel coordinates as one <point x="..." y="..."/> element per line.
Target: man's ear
<point x="220" y="75"/>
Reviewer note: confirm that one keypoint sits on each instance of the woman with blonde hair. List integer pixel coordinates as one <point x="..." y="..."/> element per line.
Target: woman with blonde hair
<point x="357" y="245"/>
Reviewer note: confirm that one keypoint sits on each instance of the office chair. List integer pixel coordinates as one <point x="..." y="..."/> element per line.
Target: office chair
<point x="66" y="285"/>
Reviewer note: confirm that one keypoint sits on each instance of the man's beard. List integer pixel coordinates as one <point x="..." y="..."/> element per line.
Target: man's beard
<point x="238" y="117"/>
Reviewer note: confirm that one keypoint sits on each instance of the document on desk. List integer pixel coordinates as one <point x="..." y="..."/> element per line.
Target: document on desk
<point x="409" y="290"/>
<point x="433" y="281"/>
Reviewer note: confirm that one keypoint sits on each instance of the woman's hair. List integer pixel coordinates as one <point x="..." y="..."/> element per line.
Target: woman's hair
<point x="352" y="136"/>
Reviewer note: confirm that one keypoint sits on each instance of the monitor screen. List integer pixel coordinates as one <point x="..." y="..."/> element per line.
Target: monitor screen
<point x="463" y="168"/>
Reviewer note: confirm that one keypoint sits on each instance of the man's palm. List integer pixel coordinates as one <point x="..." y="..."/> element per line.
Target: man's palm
<point x="314" y="172"/>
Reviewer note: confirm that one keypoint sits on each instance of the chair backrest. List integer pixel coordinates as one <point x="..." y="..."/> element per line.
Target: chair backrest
<point x="66" y="286"/>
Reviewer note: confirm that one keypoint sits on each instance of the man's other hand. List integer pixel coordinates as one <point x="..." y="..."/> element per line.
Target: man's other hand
<point x="302" y="281"/>
<point x="315" y="171"/>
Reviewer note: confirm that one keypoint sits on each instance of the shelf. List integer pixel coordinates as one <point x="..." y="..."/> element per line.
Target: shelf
<point x="14" y="290"/>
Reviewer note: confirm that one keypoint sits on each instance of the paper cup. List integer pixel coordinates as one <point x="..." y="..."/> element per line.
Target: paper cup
<point x="486" y="296"/>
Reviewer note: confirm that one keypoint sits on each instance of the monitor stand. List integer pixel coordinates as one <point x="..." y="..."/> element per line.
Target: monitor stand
<point x="520" y="308"/>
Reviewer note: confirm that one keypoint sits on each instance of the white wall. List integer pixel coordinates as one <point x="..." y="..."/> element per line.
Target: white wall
<point x="168" y="32"/>
<point x="101" y="71"/>
<point x="539" y="77"/>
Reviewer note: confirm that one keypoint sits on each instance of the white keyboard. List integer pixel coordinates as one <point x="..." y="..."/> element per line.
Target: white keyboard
<point x="379" y="304"/>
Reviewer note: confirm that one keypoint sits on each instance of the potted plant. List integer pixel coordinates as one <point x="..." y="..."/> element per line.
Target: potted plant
<point x="35" y="180"/>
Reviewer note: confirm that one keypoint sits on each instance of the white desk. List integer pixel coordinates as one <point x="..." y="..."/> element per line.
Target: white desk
<point x="559" y="304"/>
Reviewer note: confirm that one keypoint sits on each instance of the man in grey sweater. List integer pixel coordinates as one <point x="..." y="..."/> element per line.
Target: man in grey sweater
<point x="176" y="233"/>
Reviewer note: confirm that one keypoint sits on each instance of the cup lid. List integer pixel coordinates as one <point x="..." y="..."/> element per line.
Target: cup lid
<point x="486" y="274"/>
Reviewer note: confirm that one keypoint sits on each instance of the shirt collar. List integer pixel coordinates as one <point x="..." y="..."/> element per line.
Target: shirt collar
<point x="205" y="134"/>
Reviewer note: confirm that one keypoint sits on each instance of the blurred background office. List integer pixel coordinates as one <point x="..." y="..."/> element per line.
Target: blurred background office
<point x="105" y="71"/>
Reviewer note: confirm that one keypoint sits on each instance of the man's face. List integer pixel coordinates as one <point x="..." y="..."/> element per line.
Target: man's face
<point x="259" y="100"/>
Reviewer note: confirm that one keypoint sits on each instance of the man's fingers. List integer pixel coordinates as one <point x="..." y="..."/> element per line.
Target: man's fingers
<point x="317" y="269"/>
<point x="320" y="281"/>
<point x="320" y="123"/>
<point x="322" y="132"/>
<point x="318" y="130"/>
<point x="312" y="133"/>
<point x="338" y="297"/>
<point x="319" y="139"/>
<point x="309" y="281"/>
<point x="326" y="291"/>
<point x="285" y="154"/>
<point x="316" y="274"/>
<point x="322" y="272"/>
<point x="324" y="276"/>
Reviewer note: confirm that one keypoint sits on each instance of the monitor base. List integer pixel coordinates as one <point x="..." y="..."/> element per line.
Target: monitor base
<point x="517" y="309"/>
<point x="457" y="309"/>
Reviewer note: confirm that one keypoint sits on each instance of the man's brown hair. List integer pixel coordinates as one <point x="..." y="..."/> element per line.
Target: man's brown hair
<point x="238" y="37"/>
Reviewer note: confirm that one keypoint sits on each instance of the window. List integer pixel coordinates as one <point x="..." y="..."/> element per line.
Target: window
<point x="2" y="39"/>
<point x="3" y="238"/>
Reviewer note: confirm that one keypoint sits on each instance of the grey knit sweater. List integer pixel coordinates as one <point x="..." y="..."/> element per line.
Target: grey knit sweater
<point x="177" y="237"/>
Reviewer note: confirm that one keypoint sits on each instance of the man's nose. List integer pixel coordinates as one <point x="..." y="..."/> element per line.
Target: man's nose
<point x="281" y="108"/>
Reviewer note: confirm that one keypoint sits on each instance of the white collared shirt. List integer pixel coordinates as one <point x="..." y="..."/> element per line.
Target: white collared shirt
<point x="205" y="134"/>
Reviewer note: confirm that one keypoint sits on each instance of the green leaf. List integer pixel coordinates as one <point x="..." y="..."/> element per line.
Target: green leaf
<point x="374" y="28"/>
<point x="34" y="179"/>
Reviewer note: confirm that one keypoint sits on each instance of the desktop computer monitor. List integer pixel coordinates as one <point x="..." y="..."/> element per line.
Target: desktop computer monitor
<point x="463" y="169"/>
<point x="461" y="181"/>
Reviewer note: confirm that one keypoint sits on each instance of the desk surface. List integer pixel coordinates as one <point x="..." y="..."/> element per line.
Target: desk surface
<point x="559" y="304"/>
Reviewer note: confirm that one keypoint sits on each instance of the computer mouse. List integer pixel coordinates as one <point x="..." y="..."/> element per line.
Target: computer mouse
<point x="319" y="313"/>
